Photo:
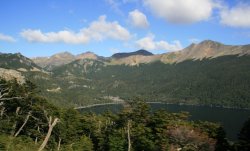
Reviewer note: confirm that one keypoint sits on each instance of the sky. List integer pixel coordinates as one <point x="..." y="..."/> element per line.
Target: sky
<point x="45" y="27"/>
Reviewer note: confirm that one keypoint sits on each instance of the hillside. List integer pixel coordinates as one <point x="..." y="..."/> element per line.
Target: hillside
<point x="18" y="62"/>
<point x="222" y="81"/>
<point x="208" y="73"/>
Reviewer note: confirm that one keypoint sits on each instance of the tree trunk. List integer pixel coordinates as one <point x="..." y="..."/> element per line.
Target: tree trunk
<point x="17" y="110"/>
<point x="129" y="141"/>
<point x="25" y="121"/>
<point x="38" y="129"/>
<point x="51" y="126"/>
<point x="13" y="129"/>
<point x="2" y="112"/>
<point x="36" y="140"/>
<point x="59" y="144"/>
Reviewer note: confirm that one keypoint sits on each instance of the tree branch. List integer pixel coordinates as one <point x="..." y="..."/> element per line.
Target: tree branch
<point x="25" y="122"/>
<point x="51" y="126"/>
<point x="7" y="99"/>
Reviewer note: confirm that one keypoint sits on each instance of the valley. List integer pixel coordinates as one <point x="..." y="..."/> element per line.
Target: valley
<point x="218" y="75"/>
<point x="125" y="75"/>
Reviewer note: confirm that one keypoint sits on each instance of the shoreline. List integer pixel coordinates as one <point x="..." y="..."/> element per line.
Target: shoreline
<point x="167" y="103"/>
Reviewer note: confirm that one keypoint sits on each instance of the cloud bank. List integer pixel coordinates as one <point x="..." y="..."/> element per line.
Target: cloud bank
<point x="97" y="31"/>
<point x="149" y="43"/>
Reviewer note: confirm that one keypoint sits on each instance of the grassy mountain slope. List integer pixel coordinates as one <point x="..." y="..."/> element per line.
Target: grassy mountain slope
<point x="17" y="61"/>
<point x="222" y="81"/>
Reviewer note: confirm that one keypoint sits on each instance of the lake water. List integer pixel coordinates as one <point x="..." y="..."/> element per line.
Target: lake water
<point x="231" y="119"/>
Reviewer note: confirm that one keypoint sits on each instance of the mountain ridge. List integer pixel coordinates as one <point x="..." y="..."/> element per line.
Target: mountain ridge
<point x="204" y="49"/>
<point x="141" y="52"/>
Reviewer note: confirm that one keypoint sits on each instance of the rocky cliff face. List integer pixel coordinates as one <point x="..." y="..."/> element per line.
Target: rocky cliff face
<point x="9" y="74"/>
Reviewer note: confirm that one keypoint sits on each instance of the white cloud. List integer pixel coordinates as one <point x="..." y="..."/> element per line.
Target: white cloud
<point x="97" y="30"/>
<point x="138" y="19"/>
<point x="6" y="38"/>
<point x="61" y="36"/>
<point x="148" y="43"/>
<point x="238" y="16"/>
<point x="181" y="11"/>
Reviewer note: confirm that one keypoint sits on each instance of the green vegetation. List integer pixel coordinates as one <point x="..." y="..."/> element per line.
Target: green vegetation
<point x="222" y="81"/>
<point x="244" y="137"/>
<point x="27" y="121"/>
<point x="16" y="61"/>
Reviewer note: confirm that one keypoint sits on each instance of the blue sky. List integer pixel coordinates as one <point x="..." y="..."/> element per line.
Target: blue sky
<point x="45" y="27"/>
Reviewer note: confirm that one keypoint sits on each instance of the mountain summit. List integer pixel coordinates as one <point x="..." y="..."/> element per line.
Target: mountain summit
<point x="124" y="55"/>
<point x="87" y="55"/>
<point x="62" y="58"/>
<point x="211" y="49"/>
<point x="55" y="60"/>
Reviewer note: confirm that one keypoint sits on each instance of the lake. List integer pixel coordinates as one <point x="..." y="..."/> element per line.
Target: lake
<point x="231" y="119"/>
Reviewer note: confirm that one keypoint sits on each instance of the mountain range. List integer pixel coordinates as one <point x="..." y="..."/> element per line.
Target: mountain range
<point x="207" y="73"/>
<point x="205" y="49"/>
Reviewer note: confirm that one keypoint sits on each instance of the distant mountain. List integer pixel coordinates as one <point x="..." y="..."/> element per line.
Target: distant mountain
<point x="61" y="59"/>
<point x="86" y="55"/>
<point x="124" y="55"/>
<point x="18" y="62"/>
<point x="55" y="60"/>
<point x="205" y="49"/>
<point x="211" y="49"/>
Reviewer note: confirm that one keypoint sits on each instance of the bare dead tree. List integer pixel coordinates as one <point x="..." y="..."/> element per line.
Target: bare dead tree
<point x="128" y="131"/>
<point x="17" y="110"/>
<point x="51" y="126"/>
<point x="24" y="123"/>
<point x="38" y="129"/>
<point x="15" y="123"/>
<point x="59" y="143"/>
<point x="4" y="92"/>
<point x="2" y="112"/>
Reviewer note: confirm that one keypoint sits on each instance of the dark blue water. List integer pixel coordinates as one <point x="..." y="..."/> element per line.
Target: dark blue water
<point x="231" y="119"/>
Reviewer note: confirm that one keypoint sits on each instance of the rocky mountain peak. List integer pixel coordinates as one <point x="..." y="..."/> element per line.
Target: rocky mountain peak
<point x="63" y="55"/>
<point x="86" y="55"/>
